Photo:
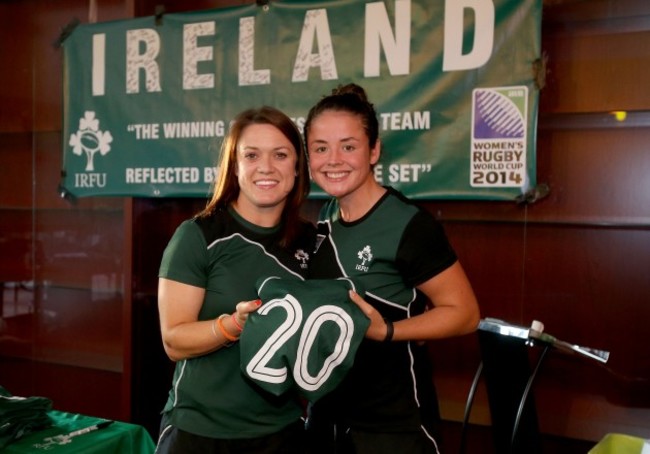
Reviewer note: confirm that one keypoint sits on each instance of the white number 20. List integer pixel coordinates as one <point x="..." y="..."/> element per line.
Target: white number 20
<point x="258" y="368"/>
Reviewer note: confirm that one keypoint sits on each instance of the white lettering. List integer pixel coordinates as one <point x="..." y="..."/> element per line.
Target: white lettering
<point x="192" y="54"/>
<point x="453" y="58"/>
<point x="190" y="129"/>
<point x="248" y="75"/>
<point x="498" y="156"/>
<point x="383" y="35"/>
<point x="99" y="64"/>
<point x="407" y="173"/>
<point x="161" y="175"/>
<point x="315" y="24"/>
<point x="135" y="61"/>
<point x="89" y="180"/>
<point x="397" y="48"/>
<point x="145" y="131"/>
<point x="209" y="174"/>
<point x="378" y="172"/>
<point x="405" y="120"/>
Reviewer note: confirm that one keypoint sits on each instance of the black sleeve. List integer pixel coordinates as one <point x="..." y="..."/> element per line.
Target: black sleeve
<point x="424" y="249"/>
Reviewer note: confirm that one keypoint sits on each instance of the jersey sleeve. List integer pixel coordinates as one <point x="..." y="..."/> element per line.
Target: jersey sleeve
<point x="185" y="258"/>
<point x="424" y="249"/>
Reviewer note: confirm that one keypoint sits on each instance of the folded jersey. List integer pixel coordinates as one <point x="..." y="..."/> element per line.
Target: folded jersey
<point x="304" y="336"/>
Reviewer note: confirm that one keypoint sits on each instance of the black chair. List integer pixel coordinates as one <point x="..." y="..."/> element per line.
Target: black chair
<point x="505" y="365"/>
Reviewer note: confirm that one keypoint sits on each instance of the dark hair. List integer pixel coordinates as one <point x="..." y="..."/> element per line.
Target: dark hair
<point x="226" y="185"/>
<point x="348" y="98"/>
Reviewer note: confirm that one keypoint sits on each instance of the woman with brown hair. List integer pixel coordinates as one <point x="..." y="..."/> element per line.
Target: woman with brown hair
<point x="416" y="289"/>
<point x="250" y="228"/>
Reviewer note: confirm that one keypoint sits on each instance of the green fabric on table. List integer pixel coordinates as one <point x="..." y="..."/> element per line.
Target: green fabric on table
<point x="62" y="437"/>
<point x="20" y="416"/>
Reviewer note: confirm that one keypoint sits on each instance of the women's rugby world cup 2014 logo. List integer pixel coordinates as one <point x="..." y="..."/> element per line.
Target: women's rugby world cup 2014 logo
<point x="89" y="139"/>
<point x="497" y="115"/>
<point x="499" y="137"/>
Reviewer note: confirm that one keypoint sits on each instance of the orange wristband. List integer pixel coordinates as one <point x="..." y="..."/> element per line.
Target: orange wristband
<point x="225" y="333"/>
<point x="234" y="320"/>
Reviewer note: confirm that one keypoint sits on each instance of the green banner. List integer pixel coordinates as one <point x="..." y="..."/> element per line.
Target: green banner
<point x="148" y="101"/>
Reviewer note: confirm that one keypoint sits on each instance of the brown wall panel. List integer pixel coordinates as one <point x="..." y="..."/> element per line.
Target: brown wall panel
<point x="62" y="261"/>
<point x="595" y="60"/>
<point x="148" y="7"/>
<point x="16" y="164"/>
<point x="595" y="176"/>
<point x="16" y="114"/>
<point x="584" y="284"/>
<point x="574" y="12"/>
<point x="71" y="389"/>
<point x="77" y="247"/>
<point x="48" y="165"/>
<point x="154" y="222"/>
<point x="16" y="245"/>
<point x="492" y="255"/>
<point x="79" y="328"/>
<point x="597" y="73"/>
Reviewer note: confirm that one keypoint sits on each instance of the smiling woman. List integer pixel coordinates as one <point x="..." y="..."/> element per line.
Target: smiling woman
<point x="266" y="170"/>
<point x="416" y="289"/>
<point x="249" y="229"/>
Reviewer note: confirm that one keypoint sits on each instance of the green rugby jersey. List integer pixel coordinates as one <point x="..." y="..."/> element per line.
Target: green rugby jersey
<point x="304" y="336"/>
<point x="392" y="249"/>
<point x="226" y="255"/>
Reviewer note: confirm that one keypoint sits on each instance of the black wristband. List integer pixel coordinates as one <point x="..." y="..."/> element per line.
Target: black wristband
<point x="389" y="330"/>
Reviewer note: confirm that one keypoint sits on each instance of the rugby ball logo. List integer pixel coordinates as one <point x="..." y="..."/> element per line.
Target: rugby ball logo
<point x="496" y="116"/>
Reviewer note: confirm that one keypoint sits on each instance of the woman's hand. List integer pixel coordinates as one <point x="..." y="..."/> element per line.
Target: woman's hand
<point x="183" y="335"/>
<point x="377" y="329"/>
<point x="242" y="311"/>
<point x="454" y="311"/>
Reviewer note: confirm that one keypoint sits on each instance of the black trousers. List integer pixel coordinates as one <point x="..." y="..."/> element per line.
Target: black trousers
<point x="289" y="440"/>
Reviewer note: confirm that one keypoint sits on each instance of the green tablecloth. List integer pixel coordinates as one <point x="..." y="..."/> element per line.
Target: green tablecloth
<point x="116" y="437"/>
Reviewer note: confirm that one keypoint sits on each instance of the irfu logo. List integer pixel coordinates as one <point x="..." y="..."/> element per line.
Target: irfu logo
<point x="89" y="139"/>
<point x="303" y="257"/>
<point x="365" y="255"/>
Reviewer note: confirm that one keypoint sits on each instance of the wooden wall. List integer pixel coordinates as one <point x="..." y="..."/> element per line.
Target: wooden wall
<point x="65" y="330"/>
<point x="79" y="321"/>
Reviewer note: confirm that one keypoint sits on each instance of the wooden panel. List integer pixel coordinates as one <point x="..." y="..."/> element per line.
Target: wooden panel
<point x="16" y="164"/>
<point x="567" y="13"/>
<point x="595" y="176"/>
<point x="16" y="84"/>
<point x="16" y="245"/>
<point x="595" y="62"/>
<point x="154" y="223"/>
<point x="31" y="165"/>
<point x="148" y="7"/>
<point x="66" y="327"/>
<point x="70" y="253"/>
<point x="584" y="283"/>
<point x="72" y="389"/>
<point x="79" y="328"/>
<point x="597" y="73"/>
<point x="80" y="249"/>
